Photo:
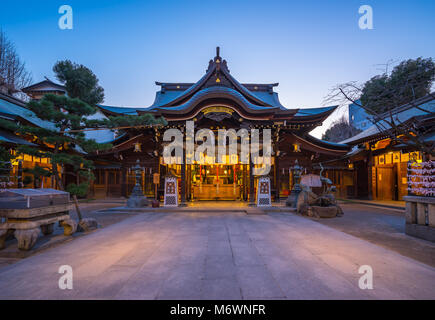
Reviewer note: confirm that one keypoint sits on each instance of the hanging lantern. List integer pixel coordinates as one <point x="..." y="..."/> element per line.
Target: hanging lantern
<point x="137" y="147"/>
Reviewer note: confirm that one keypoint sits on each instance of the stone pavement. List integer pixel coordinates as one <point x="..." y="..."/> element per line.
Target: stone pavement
<point x="383" y="227"/>
<point x="194" y="255"/>
<point x="378" y="203"/>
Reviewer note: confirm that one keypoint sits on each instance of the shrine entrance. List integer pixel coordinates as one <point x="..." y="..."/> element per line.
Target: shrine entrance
<point x="217" y="181"/>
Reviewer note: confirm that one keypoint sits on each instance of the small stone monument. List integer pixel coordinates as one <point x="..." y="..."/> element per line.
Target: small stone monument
<point x="137" y="198"/>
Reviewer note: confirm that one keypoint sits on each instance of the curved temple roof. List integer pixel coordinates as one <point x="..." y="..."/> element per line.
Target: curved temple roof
<point x="205" y="93"/>
<point x="219" y="83"/>
<point x="15" y="110"/>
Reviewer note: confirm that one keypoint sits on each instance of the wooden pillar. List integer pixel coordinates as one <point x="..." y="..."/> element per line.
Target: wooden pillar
<point x="162" y="171"/>
<point x="124" y="182"/>
<point x="344" y="194"/>
<point x="370" y="175"/>
<point x="188" y="182"/>
<point x="251" y="183"/>
<point x="277" y="177"/>
<point x="355" y="182"/>
<point x="20" y="174"/>
<point x="183" y="180"/>
<point x="396" y="191"/>
<point x="144" y="172"/>
<point x="106" y="176"/>
<point x="245" y="185"/>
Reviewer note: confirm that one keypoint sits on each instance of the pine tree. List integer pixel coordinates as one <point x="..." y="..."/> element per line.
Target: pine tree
<point x="5" y="167"/>
<point x="64" y="142"/>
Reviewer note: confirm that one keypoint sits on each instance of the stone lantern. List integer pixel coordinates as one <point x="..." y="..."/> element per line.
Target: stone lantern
<point x="293" y="197"/>
<point x="137" y="198"/>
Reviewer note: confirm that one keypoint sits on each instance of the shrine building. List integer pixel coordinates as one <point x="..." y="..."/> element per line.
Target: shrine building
<point x="216" y="101"/>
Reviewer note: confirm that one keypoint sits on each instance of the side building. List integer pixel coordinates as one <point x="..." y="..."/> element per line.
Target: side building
<point x="15" y="111"/>
<point x="358" y="117"/>
<point x="380" y="154"/>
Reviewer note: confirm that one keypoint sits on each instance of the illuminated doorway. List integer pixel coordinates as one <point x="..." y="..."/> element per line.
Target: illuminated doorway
<point x="216" y="182"/>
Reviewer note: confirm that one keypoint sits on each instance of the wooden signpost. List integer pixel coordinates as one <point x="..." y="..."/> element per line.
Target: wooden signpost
<point x="156" y="181"/>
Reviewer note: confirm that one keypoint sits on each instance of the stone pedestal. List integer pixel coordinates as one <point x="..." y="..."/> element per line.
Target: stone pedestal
<point x="69" y="226"/>
<point x="137" y="202"/>
<point x="47" y="229"/>
<point x="420" y="217"/>
<point x="87" y="224"/>
<point x="27" y="224"/>
<point x="4" y="234"/>
<point x="323" y="212"/>
<point x="27" y="238"/>
<point x="292" y="199"/>
<point x="137" y="199"/>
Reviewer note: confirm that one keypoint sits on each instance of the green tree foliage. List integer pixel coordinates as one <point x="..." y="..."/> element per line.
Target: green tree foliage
<point x="410" y="80"/>
<point x="5" y="155"/>
<point x="80" y="190"/>
<point x="80" y="82"/>
<point x="66" y="145"/>
<point x="5" y="166"/>
<point x="38" y="173"/>
<point x="66" y="142"/>
<point x="340" y="130"/>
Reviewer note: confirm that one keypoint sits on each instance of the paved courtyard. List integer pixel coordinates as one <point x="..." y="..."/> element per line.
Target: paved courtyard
<point x="384" y="227"/>
<point x="220" y="255"/>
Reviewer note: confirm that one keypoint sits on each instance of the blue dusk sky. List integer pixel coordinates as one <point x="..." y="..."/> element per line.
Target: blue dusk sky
<point x="307" y="46"/>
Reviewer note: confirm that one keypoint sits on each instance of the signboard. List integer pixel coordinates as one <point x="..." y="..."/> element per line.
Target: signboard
<point x="218" y="110"/>
<point x="171" y="192"/>
<point x="388" y="158"/>
<point x="263" y="192"/>
<point x="156" y="178"/>
<point x="396" y="157"/>
<point x="374" y="180"/>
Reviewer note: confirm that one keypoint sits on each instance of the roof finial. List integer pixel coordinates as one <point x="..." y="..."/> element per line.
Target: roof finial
<point x="217" y="52"/>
